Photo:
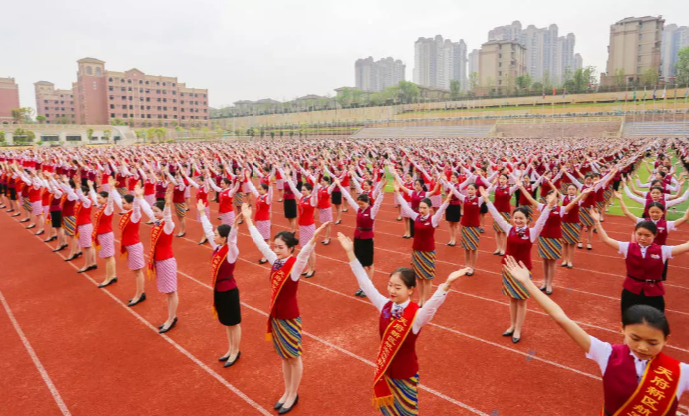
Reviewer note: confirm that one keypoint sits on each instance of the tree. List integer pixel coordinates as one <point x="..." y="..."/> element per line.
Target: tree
<point x="523" y="81"/>
<point x="23" y="136"/>
<point x="582" y="78"/>
<point x="22" y="115"/>
<point x="140" y="134"/>
<point x="89" y="134"/>
<point x="357" y="96"/>
<point x="682" y="66"/>
<point x="455" y="87"/>
<point x="537" y="86"/>
<point x="107" y="134"/>
<point x="566" y="76"/>
<point x="291" y="134"/>
<point x="151" y="134"/>
<point x="160" y="133"/>
<point x="620" y="78"/>
<point x="344" y="97"/>
<point x="473" y="81"/>
<point x="547" y="82"/>
<point x="40" y="119"/>
<point x="650" y="77"/>
<point x="408" y="91"/>
<point x="272" y="134"/>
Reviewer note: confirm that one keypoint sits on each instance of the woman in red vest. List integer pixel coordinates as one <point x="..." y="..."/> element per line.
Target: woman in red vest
<point x="161" y="259"/>
<point x="397" y="374"/>
<point x="423" y="248"/>
<point x="645" y="262"/>
<point x="588" y="203"/>
<point x="325" y="212"/>
<point x="284" y="323"/>
<point x="307" y="221"/>
<point x="32" y="189"/>
<point x="55" y="210"/>
<point x="264" y="200"/>
<point x="69" y="216"/>
<point x="178" y="201"/>
<point x="520" y="239"/>
<point x="225" y="292"/>
<point x="471" y="221"/>
<point x="416" y="195"/>
<point x="202" y="196"/>
<point x="502" y="195"/>
<point x="638" y="378"/>
<point x="364" y="231"/>
<point x="289" y="200"/>
<point x="225" y="196"/>
<point x="102" y="235"/>
<point x="84" y="227"/>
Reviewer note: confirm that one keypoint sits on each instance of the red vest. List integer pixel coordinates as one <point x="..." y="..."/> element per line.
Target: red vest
<point x="105" y="223"/>
<point x="323" y="198"/>
<point x="472" y="212"/>
<point x="46" y="197"/>
<point x="519" y="247"/>
<point x="405" y="364"/>
<point x="225" y="280"/>
<point x="163" y="248"/>
<point x="34" y="194"/>
<point x="130" y="233"/>
<point x="262" y="208"/>
<point x="226" y="201"/>
<point x="177" y="195"/>
<point x="160" y="190"/>
<point x="620" y="380"/>
<point x="286" y="306"/>
<point x="364" y="224"/>
<point x="68" y="208"/>
<point x="55" y="203"/>
<point x="306" y="211"/>
<point x="590" y="199"/>
<point x="202" y="195"/>
<point x="424" y="235"/>
<point x="649" y="268"/>
<point x="572" y="216"/>
<point x="149" y="188"/>
<point x="661" y="236"/>
<point x="288" y="193"/>
<point x="553" y="226"/>
<point x="502" y="199"/>
<point x="84" y="216"/>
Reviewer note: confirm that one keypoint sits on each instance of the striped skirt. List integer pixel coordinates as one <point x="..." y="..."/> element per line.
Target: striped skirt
<point x="286" y="337"/>
<point x="436" y="201"/>
<point x="423" y="263"/>
<point x="529" y="210"/>
<point x="585" y="217"/>
<point x="135" y="256"/>
<point x="549" y="248"/>
<point x="406" y="395"/>
<point x="37" y="208"/>
<point x="106" y="187"/>
<point x="166" y="275"/>
<point x="238" y="199"/>
<point x="280" y="184"/>
<point x="470" y="238"/>
<point x="227" y="218"/>
<point x="187" y="192"/>
<point x="107" y="245"/>
<point x="45" y="210"/>
<point x="180" y="209"/>
<point x="122" y="191"/>
<point x="512" y="287"/>
<point x="263" y="228"/>
<point x="151" y="199"/>
<point x="26" y="204"/>
<point x="571" y="232"/>
<point x="325" y="215"/>
<point x="607" y="194"/>
<point x="305" y="234"/>
<point x="507" y="217"/>
<point x="69" y="224"/>
<point x="208" y="213"/>
<point x="85" y="232"/>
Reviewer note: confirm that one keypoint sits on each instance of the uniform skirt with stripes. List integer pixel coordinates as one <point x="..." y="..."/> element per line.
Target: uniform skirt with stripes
<point x="512" y="288"/>
<point x="166" y="275"/>
<point x="227" y="218"/>
<point x="208" y="213"/>
<point x="507" y="217"/>
<point x="69" y="223"/>
<point x="180" y="209"/>
<point x="107" y="245"/>
<point x="263" y="228"/>
<point x="85" y="232"/>
<point x="325" y="214"/>
<point x="607" y="194"/>
<point x="305" y="234"/>
<point x="37" y="208"/>
<point x="436" y="201"/>
<point x="363" y="251"/>
<point x="26" y="204"/>
<point x="122" y="191"/>
<point x="529" y="211"/>
<point x="290" y="207"/>
<point x="280" y="184"/>
<point x="585" y="217"/>
<point x="470" y="238"/>
<point x="151" y="199"/>
<point x="286" y="337"/>
<point x="423" y="263"/>
<point x="549" y="248"/>
<point x="406" y="396"/>
<point x="453" y="213"/>
<point x="238" y="199"/>
<point x="571" y="232"/>
<point x="56" y="219"/>
<point x="227" y="306"/>
<point x="135" y="256"/>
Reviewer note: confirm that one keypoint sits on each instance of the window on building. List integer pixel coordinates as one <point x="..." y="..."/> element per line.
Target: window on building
<point x="47" y="108"/>
<point x="130" y="88"/>
<point x="181" y="102"/>
<point x="181" y="94"/>
<point x="174" y="92"/>
<point x="164" y="92"/>
<point x="129" y="81"/>
<point x="164" y="108"/>
<point x="148" y="99"/>
<point x="148" y="116"/>
<point x="112" y="97"/>
<point x="148" y="107"/>
<point x="182" y="110"/>
<point x="147" y="91"/>
<point x="47" y="115"/>
<point x="131" y="107"/>
<point x="204" y="95"/>
<point x="124" y="106"/>
<point x="205" y="118"/>
<point x="142" y="107"/>
<point x="640" y="35"/>
<point x="205" y="110"/>
<point x="124" y="97"/>
<point x="174" y="108"/>
<point x="175" y="116"/>
<point x="165" y="116"/>
<point x="89" y="71"/>
<point x="131" y="116"/>
<point x="173" y="84"/>
<point x="140" y="82"/>
<point x="174" y="100"/>
<point x="141" y="98"/>
<point x="124" y="115"/>
<point x="123" y="89"/>
<point x="158" y="108"/>
<point x="205" y="103"/>
<point x="98" y="73"/>
<point x="164" y="100"/>
<point x="158" y="99"/>
<point x="110" y="79"/>
<point x="163" y="84"/>
<point x="110" y="88"/>
<point x="146" y="82"/>
<point x="182" y="117"/>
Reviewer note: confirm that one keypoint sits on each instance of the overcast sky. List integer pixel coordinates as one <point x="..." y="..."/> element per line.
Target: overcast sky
<point x="279" y="49"/>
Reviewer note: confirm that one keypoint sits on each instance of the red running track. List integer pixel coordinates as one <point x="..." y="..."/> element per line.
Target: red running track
<point x="100" y="357"/>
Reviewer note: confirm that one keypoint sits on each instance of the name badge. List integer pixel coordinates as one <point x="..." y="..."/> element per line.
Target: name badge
<point x="655" y="256"/>
<point x="426" y="223"/>
<point x="365" y="215"/>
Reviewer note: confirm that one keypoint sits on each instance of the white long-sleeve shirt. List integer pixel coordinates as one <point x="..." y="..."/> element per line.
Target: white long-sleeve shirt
<point x="423" y="316"/>
<point x="264" y="248"/>
<point x="352" y="203"/>
<point x="506" y="227"/>
<point x="435" y="219"/>
<point x="167" y="216"/>
<point x="233" y="250"/>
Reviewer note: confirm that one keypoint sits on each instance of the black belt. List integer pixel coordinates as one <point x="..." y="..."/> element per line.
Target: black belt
<point x="651" y="281"/>
<point x="364" y="229"/>
<point x="222" y="280"/>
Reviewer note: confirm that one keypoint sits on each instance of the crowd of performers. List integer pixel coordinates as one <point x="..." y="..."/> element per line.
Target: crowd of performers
<point x="550" y="193"/>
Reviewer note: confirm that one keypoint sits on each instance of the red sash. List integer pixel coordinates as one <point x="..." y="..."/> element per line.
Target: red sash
<point x="62" y="200"/>
<point x="657" y="390"/>
<point x="124" y="220"/>
<point x="96" y="223"/>
<point x="390" y="343"/>
<point x="219" y="257"/>
<point x="277" y="281"/>
<point x="77" y="208"/>
<point x="155" y="234"/>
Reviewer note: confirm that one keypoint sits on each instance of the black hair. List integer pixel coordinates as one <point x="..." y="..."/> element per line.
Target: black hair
<point x="426" y="201"/>
<point x="407" y="276"/>
<point x="369" y="182"/>
<point x="307" y="186"/>
<point x="420" y="182"/>
<point x="159" y="204"/>
<point x="227" y="181"/>
<point x="364" y="198"/>
<point x="103" y="194"/>
<point x="645" y="314"/>
<point x="224" y="230"/>
<point x="129" y="198"/>
<point x="588" y="175"/>
<point x="326" y="179"/>
<point x="655" y="181"/>
<point x="474" y="185"/>
<point x="505" y="175"/>
<point x="661" y="173"/>
<point x="658" y="188"/>
<point x="649" y="225"/>
<point x="522" y="210"/>
<point x="264" y="186"/>
<point x="656" y="205"/>
<point x="85" y="189"/>
<point x="72" y="184"/>
<point x="290" y="240"/>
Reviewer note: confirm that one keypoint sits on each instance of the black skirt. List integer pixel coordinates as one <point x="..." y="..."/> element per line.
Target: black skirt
<point x="484" y="208"/>
<point x="453" y="213"/>
<point x="336" y="198"/>
<point x="630" y="299"/>
<point x="56" y="219"/>
<point x="227" y="306"/>
<point x="290" y="208"/>
<point x="13" y="194"/>
<point x="363" y="250"/>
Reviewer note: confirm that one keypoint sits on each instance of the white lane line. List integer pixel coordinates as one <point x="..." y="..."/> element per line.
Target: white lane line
<point x="44" y="374"/>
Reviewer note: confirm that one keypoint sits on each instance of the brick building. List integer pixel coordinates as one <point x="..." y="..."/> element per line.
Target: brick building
<point x="9" y="99"/>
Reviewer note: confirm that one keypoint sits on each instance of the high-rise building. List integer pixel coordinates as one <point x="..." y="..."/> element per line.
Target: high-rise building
<point x="564" y="56"/>
<point x="508" y="32"/>
<point x="578" y="62"/>
<point x="674" y="39"/>
<point x="473" y="61"/>
<point x="500" y="62"/>
<point x="57" y="106"/>
<point x="438" y="61"/>
<point x="9" y="99"/>
<point x="634" y="48"/>
<point x="377" y="76"/>
<point x="140" y="100"/>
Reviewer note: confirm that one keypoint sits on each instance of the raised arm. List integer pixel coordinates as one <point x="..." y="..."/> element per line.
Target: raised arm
<point x="494" y="212"/>
<point x="601" y="232"/>
<point x="406" y="209"/>
<point x="362" y="278"/>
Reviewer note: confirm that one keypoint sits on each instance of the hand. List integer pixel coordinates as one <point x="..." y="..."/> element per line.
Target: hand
<point x="138" y="191"/>
<point x="483" y="193"/>
<point x="396" y="187"/>
<point x="317" y="234"/>
<point x="456" y="275"/>
<point x="346" y="242"/>
<point x="111" y="182"/>
<point x="594" y="214"/>
<point x="90" y="184"/>
<point x="617" y="195"/>
<point x="518" y="271"/>
<point x="246" y="210"/>
<point x="237" y="218"/>
<point x="201" y="207"/>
